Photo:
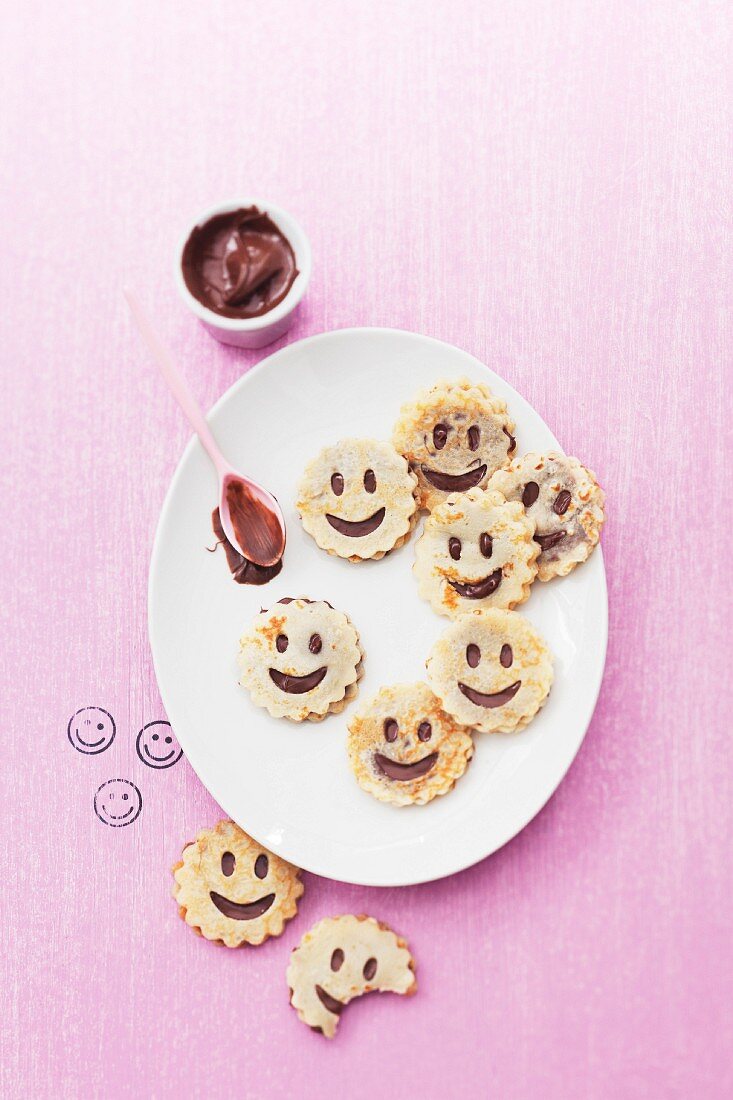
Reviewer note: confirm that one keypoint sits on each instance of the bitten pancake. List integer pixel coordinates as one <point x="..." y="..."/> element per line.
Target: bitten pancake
<point x="342" y="958"/>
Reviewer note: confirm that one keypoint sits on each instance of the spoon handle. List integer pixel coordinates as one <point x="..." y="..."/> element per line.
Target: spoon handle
<point x="178" y="385"/>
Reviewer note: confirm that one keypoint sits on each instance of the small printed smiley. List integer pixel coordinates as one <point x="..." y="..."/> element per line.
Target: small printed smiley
<point x="91" y="730"/>
<point x="157" y="745"/>
<point x="403" y="747"/>
<point x="454" y="436"/>
<point x="233" y="891"/>
<point x="491" y="670"/>
<point x="565" y="503"/>
<point x="357" y="499"/>
<point x="301" y="660"/>
<point x="118" y="802"/>
<point x="341" y="958"/>
<point x="476" y="550"/>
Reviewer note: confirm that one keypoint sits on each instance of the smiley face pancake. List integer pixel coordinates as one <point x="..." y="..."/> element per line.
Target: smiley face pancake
<point x="476" y="550"/>
<point x="403" y="747"/>
<point x="491" y="670"/>
<point x="357" y="499"/>
<point x="454" y="436"/>
<point x="565" y="502"/>
<point x="301" y="660"/>
<point x="342" y="958"/>
<point x="232" y="890"/>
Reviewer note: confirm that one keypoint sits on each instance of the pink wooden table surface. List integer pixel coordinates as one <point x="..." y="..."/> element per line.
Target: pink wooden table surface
<point x="544" y="184"/>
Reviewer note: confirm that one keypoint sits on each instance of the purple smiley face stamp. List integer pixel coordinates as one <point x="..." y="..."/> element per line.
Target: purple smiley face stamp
<point x="118" y="802"/>
<point x="91" y="730"/>
<point x="157" y="745"/>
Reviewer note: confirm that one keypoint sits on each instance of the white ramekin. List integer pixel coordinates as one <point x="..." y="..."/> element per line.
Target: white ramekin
<point x="252" y="332"/>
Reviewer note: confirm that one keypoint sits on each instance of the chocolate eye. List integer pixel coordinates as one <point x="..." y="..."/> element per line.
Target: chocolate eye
<point x="315" y="645"/>
<point x="100" y="725"/>
<point x="262" y="865"/>
<point x="391" y="730"/>
<point x="473" y="655"/>
<point x="337" y="484"/>
<point x="454" y="548"/>
<point x="474" y="436"/>
<point x="562" y="500"/>
<point x="506" y="656"/>
<point x="486" y="544"/>
<point x="440" y="435"/>
<point x="370" y="481"/>
<point x="337" y="959"/>
<point x="424" y="731"/>
<point x="370" y="969"/>
<point x="281" y="643"/>
<point x="227" y="864"/>
<point x="530" y="494"/>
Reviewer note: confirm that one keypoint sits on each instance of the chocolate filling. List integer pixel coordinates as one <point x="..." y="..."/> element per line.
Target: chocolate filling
<point x="236" y="911"/>
<point x="548" y="541"/>
<point x="403" y="772"/>
<point x="498" y="699"/>
<point x="454" y="483"/>
<point x="243" y="571"/>
<point x="239" y="264"/>
<point x="478" y="590"/>
<point x="330" y="1003"/>
<point x="297" y="685"/>
<point x="257" y="529"/>
<point x="356" y="528"/>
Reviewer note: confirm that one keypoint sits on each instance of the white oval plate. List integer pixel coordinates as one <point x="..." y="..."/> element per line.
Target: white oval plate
<point x="289" y="785"/>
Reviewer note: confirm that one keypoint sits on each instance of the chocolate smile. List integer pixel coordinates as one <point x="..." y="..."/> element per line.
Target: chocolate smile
<point x="329" y="1003"/>
<point x="402" y="772"/>
<point x="454" y="483"/>
<point x="498" y="699"/>
<point x="548" y="541"/>
<point x="478" y="590"/>
<point x="236" y="911"/>
<point x="297" y="685"/>
<point x="356" y="528"/>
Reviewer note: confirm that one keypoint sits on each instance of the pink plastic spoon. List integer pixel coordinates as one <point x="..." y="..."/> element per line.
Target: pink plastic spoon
<point x="251" y="517"/>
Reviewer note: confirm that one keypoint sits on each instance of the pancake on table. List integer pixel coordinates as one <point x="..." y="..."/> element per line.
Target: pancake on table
<point x="232" y="890"/>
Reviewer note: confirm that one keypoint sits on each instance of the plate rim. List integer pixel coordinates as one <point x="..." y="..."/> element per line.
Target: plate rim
<point x="167" y="505"/>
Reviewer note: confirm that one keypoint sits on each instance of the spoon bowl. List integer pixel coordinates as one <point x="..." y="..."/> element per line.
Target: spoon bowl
<point x="252" y="519"/>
